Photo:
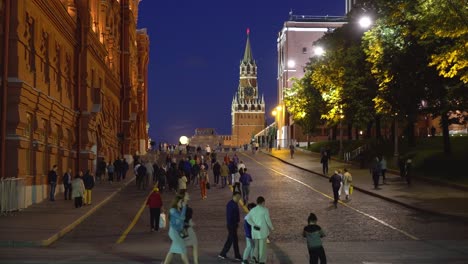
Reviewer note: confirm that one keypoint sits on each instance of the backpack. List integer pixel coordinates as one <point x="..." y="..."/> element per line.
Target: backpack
<point x="141" y="170"/>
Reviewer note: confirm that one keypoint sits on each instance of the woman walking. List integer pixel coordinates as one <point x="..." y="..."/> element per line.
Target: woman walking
<point x="78" y="190"/>
<point x="176" y="225"/>
<point x="347" y="180"/>
<point x="182" y="183"/>
<point x="203" y="179"/>
<point x="154" y="203"/>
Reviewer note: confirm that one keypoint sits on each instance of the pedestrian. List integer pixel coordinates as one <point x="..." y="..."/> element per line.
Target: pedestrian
<point x="195" y="171"/>
<point x="249" y="243"/>
<point x="208" y="150"/>
<point x="340" y="173"/>
<point x="125" y="168"/>
<point x="176" y="226"/>
<point x="324" y="160"/>
<point x="314" y="234"/>
<point x="204" y="180"/>
<point x="375" y="171"/>
<point x="78" y="190"/>
<point x="232" y="218"/>
<point x="216" y="172"/>
<point x="118" y="169"/>
<point x="232" y="169"/>
<point x="162" y="178"/>
<point x="88" y="181"/>
<point x="335" y="179"/>
<point x="52" y="180"/>
<point x="236" y="182"/>
<point x="67" y="184"/>
<point x="182" y="182"/>
<point x="291" y="150"/>
<point x="224" y="174"/>
<point x="347" y="180"/>
<point x="187" y="169"/>
<point x="259" y="219"/>
<point x="408" y="169"/>
<point x="191" y="240"/>
<point x="245" y="179"/>
<point x="154" y="203"/>
<point x="383" y="166"/>
<point x="110" y="172"/>
<point x="226" y="159"/>
<point x="240" y="165"/>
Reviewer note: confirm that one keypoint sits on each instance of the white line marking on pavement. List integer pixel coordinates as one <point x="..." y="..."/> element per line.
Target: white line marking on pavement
<point x="344" y="204"/>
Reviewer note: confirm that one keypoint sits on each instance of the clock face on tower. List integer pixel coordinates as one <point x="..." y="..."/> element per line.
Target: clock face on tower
<point x="249" y="91"/>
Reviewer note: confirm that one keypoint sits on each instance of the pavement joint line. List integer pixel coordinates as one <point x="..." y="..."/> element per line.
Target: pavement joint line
<point x="427" y="211"/>
<point x="134" y="221"/>
<point x="64" y="231"/>
<point x="344" y="204"/>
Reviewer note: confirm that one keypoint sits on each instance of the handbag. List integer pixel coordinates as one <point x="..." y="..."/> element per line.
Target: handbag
<point x="208" y="185"/>
<point x="351" y="188"/>
<point x="162" y="220"/>
<point x="183" y="233"/>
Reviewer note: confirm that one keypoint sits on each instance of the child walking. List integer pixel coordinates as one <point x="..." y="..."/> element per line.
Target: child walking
<point x="314" y="234"/>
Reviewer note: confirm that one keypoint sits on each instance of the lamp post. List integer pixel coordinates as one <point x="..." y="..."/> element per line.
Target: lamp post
<point x="277" y="114"/>
<point x="341" y="134"/>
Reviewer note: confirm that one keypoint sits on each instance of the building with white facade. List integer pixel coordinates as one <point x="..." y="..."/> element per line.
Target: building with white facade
<point x="295" y="45"/>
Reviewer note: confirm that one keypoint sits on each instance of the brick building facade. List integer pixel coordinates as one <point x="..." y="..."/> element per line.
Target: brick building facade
<point x="76" y="86"/>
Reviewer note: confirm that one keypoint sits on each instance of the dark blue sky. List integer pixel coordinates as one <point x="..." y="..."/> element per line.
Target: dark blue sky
<point x="196" y="48"/>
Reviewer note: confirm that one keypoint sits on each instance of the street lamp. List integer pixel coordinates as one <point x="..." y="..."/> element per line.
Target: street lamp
<point x="319" y="51"/>
<point x="365" y="22"/>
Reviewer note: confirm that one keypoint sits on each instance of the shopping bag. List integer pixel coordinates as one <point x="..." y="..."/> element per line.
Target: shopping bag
<point x="162" y="220"/>
<point x="351" y="188"/>
<point x="208" y="185"/>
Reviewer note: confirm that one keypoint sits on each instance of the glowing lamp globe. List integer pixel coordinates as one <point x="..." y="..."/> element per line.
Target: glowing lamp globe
<point x="183" y="140"/>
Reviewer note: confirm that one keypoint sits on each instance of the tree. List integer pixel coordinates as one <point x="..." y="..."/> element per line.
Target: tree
<point x="305" y="104"/>
<point x="446" y="19"/>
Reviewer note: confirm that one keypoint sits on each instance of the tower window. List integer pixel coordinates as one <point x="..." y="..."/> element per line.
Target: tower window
<point x="304" y="50"/>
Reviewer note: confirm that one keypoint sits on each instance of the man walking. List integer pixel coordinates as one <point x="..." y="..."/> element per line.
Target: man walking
<point x="232" y="218"/>
<point x="324" y="160"/>
<point x="376" y="170"/>
<point x="259" y="219"/>
<point x="216" y="172"/>
<point x="67" y="184"/>
<point x="52" y="180"/>
<point x="245" y="179"/>
<point x="291" y="150"/>
<point x="335" y="179"/>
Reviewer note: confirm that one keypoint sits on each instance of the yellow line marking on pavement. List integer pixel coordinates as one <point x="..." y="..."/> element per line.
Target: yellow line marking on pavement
<point x="344" y="204"/>
<point x="134" y="221"/>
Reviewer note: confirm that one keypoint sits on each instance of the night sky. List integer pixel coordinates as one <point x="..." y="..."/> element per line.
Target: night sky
<point x="195" y="51"/>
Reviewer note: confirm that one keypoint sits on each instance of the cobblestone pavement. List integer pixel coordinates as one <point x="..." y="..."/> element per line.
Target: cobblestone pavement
<point x="365" y="229"/>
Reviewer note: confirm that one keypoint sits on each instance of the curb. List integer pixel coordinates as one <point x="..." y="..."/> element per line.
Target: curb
<point x="47" y="242"/>
<point x="376" y="194"/>
<point x="432" y="181"/>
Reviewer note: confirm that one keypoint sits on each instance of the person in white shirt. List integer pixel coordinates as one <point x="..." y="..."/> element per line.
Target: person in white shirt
<point x="259" y="219"/>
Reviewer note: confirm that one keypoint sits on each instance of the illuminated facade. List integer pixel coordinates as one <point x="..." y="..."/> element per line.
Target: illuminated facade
<point x="247" y="108"/>
<point x="77" y="86"/>
<point x="295" y="45"/>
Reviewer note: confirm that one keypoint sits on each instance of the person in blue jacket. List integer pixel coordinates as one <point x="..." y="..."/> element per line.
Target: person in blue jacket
<point x="176" y="226"/>
<point x="232" y="219"/>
